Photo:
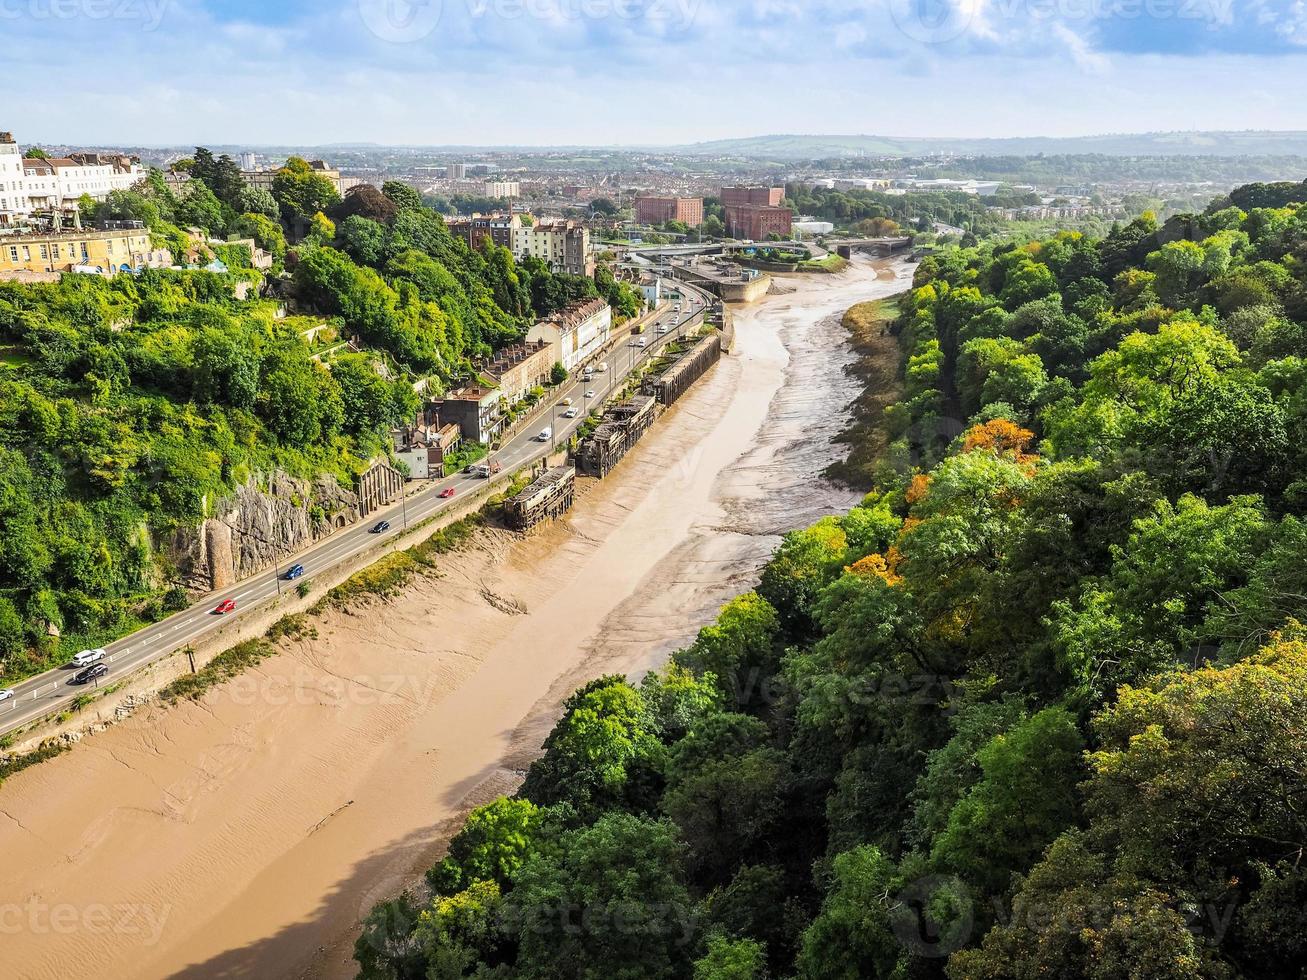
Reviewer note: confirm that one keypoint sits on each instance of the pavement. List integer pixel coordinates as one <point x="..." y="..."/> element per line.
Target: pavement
<point x="54" y="690"/>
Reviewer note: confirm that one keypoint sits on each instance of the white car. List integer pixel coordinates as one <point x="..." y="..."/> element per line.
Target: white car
<point x="642" y="343"/>
<point x="570" y="413"/>
<point x="589" y="394"/>
<point x="6" y="694"/>
<point x="545" y="434"/>
<point x="88" y="657"/>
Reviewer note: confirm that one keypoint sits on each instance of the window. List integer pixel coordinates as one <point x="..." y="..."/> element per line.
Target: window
<point x="54" y="252"/>
<point x="27" y="254"/>
<point x="13" y="253"/>
<point x="43" y="253"/>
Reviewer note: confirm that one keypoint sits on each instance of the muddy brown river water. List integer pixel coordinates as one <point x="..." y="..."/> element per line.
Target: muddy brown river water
<point x="246" y="834"/>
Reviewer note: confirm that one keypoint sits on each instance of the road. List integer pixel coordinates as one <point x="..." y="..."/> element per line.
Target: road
<point x="54" y="690"/>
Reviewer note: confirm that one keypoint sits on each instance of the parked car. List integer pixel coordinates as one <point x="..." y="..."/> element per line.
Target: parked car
<point x="88" y="657"/>
<point x="91" y="673"/>
<point x="294" y="572"/>
<point x="447" y="492"/>
<point x="224" y="607"/>
<point x="380" y="527"/>
<point x="6" y="694"/>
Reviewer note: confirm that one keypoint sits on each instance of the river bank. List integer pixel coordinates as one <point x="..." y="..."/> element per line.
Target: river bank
<point x="246" y="833"/>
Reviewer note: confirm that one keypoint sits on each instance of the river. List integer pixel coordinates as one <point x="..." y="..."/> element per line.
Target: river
<point x="246" y="834"/>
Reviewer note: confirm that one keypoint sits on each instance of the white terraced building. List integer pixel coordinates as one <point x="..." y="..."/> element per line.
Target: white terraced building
<point x="47" y="185"/>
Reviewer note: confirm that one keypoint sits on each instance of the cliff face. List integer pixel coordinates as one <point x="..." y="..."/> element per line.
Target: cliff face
<point x="260" y="526"/>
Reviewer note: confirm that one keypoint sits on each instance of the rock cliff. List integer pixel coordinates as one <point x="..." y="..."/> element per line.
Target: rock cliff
<point x="262" y="523"/>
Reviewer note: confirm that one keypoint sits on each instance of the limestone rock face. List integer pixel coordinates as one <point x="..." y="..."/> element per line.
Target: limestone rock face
<point x="259" y="525"/>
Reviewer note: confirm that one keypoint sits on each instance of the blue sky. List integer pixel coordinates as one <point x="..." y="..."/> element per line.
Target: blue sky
<point x="642" y="71"/>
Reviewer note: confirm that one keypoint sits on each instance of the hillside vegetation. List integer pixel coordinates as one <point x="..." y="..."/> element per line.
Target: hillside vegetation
<point x="132" y="407"/>
<point x="1036" y="708"/>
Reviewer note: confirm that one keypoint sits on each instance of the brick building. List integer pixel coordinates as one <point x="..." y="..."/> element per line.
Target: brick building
<point x="659" y="210"/>
<point x="766" y="196"/>
<point x="757" y="221"/>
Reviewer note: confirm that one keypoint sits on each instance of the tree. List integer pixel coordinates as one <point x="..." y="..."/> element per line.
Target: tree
<point x="301" y="191"/>
<point x="737" y="649"/>
<point x="1024" y="798"/>
<point x="805" y="561"/>
<point x="258" y="201"/>
<point x="731" y="959"/>
<point x="603" y="753"/>
<point x="495" y="842"/>
<point x="608" y="902"/>
<point x="299" y="400"/>
<point x="557" y="374"/>
<point x="402" y="196"/>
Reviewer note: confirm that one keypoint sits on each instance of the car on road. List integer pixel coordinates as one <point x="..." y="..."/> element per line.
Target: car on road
<point x="88" y="657"/>
<point x="642" y="342"/>
<point x="571" y="413"/>
<point x="224" y="607"/>
<point x="294" y="572"/>
<point x="590" y="394"/>
<point x="6" y="693"/>
<point x="380" y="527"/>
<point x="447" y="492"/>
<point x="566" y="402"/>
<point x="545" y="434"/>
<point x="91" y="673"/>
<point x="662" y="329"/>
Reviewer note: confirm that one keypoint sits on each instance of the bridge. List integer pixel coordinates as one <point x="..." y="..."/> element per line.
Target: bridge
<point x="845" y="247"/>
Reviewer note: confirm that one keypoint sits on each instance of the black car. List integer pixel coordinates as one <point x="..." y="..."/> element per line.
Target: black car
<point x="380" y="527"/>
<point x="91" y="673"/>
<point x="294" y="572"/>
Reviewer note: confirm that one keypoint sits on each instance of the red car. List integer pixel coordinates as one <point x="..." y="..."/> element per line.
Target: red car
<point x="226" y="606"/>
<point x="447" y="492"/>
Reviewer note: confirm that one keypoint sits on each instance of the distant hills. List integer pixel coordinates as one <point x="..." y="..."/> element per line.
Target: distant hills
<point x="1213" y="143"/>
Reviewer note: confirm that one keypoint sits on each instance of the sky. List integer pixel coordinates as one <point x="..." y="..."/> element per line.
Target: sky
<point x="623" y="72"/>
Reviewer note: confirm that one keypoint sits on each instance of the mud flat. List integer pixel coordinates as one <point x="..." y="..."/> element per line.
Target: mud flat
<point x="247" y="833"/>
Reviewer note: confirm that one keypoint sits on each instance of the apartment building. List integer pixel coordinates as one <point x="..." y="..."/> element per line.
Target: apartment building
<point x="659" y="210"/>
<point x="757" y="222"/>
<point x="29" y="185"/>
<point x="770" y="197"/>
<point x="518" y="368"/>
<point x="13" y="192"/>
<point x="501" y="229"/>
<point x="119" y="250"/>
<point x="575" y="333"/>
<point x="264" y="178"/>
<point x="564" y="245"/>
<point x="502" y="188"/>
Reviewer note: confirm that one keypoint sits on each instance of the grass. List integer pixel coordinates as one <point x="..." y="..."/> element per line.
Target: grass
<point x="831" y="263"/>
<point x="223" y="667"/>
<point x="47" y="750"/>
<point x="386" y="576"/>
<point x="879" y="366"/>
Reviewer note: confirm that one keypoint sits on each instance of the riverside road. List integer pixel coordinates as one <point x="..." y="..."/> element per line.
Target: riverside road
<point x="54" y="690"/>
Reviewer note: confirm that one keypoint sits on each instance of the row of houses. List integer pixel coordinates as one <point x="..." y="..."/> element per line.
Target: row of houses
<point x="38" y="185"/>
<point x="479" y="411"/>
<point x="563" y="245"/>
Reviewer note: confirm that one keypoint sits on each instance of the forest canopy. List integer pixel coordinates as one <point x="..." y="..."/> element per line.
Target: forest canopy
<point x="1037" y="707"/>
